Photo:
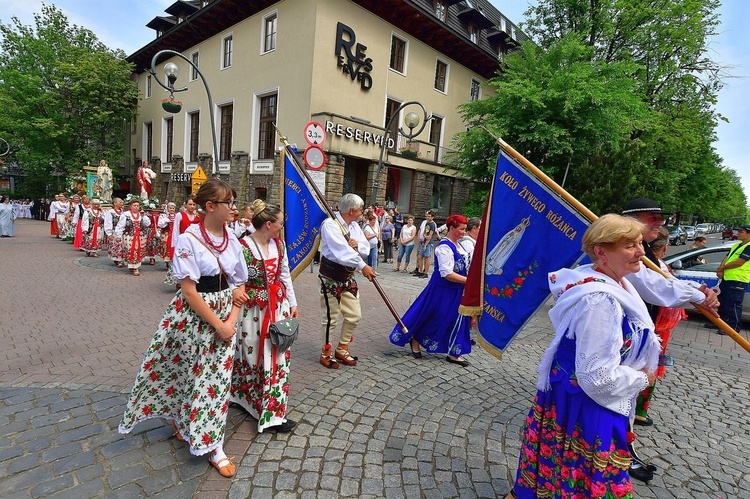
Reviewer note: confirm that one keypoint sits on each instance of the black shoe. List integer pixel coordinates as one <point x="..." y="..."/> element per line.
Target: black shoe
<point x="473" y="342"/>
<point x="710" y="325"/>
<point x="416" y="272"/>
<point x="416" y="353"/>
<point x="640" y="473"/>
<point x="423" y="276"/>
<point x="720" y="332"/>
<point x="644" y="422"/>
<point x="285" y="427"/>
<point x="462" y="363"/>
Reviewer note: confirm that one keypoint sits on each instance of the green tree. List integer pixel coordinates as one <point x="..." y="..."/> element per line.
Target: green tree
<point x="622" y="92"/>
<point x="67" y="99"/>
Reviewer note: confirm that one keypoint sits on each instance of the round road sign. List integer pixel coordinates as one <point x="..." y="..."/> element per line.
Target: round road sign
<point x="315" y="158"/>
<point x="315" y="134"/>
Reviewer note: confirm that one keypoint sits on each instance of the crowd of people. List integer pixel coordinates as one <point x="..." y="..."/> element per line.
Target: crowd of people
<point x="612" y="320"/>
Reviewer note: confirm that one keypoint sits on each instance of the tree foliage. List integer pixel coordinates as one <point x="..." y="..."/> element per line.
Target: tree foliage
<point x="67" y="99"/>
<point x="621" y="94"/>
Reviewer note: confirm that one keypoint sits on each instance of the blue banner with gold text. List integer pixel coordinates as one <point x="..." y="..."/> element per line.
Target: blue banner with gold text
<point x="529" y="231"/>
<point x="303" y="216"/>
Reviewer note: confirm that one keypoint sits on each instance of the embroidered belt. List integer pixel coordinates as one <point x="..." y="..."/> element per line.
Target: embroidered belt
<point x="335" y="271"/>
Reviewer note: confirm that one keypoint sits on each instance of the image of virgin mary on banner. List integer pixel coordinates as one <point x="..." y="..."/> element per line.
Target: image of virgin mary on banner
<point x="528" y="230"/>
<point x="303" y="216"/>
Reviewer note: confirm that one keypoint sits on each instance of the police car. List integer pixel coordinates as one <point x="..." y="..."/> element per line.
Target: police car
<point x="700" y="265"/>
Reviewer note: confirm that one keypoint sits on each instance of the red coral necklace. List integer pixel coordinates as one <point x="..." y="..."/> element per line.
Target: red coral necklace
<point x="219" y="248"/>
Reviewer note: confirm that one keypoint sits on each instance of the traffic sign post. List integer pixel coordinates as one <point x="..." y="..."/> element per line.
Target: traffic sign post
<point x="315" y="134"/>
<point x="315" y="158"/>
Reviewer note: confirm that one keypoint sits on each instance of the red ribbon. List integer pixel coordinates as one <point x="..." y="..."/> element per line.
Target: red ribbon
<point x="273" y="290"/>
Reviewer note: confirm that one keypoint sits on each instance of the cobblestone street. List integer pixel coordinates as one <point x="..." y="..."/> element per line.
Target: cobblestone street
<point x="74" y="330"/>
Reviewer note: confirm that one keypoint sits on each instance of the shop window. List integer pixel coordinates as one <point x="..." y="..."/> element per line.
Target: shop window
<point x="269" y="32"/>
<point x="441" y="76"/>
<point x="225" y="140"/>
<point x="398" y="188"/>
<point x="266" y="126"/>
<point x="226" y="52"/>
<point x="442" y="190"/>
<point x="398" y="54"/>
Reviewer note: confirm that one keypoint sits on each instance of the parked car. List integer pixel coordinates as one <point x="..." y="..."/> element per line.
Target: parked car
<point x="690" y="230"/>
<point x="701" y="229"/>
<point x="677" y="235"/>
<point x="730" y="234"/>
<point x="699" y="265"/>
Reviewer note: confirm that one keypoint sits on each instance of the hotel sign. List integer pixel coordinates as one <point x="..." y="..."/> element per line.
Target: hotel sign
<point x="351" y="58"/>
<point x="357" y="134"/>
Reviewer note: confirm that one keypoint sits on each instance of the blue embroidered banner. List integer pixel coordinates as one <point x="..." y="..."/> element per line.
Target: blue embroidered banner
<point x="528" y="231"/>
<point x="303" y="215"/>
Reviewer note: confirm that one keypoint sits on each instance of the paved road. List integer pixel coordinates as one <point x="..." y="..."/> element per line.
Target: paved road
<point x="73" y="331"/>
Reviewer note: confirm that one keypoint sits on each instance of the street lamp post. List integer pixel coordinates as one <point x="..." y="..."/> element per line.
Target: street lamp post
<point x="412" y="121"/>
<point x="171" y="70"/>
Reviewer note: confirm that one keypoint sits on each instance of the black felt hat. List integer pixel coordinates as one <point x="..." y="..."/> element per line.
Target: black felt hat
<point x="641" y="205"/>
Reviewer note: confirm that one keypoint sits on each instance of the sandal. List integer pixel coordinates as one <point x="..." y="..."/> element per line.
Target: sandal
<point x="119" y="265"/>
<point x="176" y="433"/>
<point x="328" y="361"/>
<point x="152" y="262"/>
<point x="136" y="272"/>
<point x="225" y="467"/>
<point x="342" y="354"/>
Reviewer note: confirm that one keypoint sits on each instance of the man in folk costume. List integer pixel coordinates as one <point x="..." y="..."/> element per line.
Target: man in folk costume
<point x="657" y="291"/>
<point x="111" y="219"/>
<point x="131" y="230"/>
<point x="342" y="255"/>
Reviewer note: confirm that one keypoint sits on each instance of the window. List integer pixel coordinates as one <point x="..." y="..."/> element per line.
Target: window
<point x="194" y="122"/>
<point x="436" y="127"/>
<point x="442" y="191"/>
<point x="148" y="86"/>
<point x="390" y="109"/>
<point x="149" y="141"/>
<point x="194" y="69"/>
<point x="169" y="134"/>
<point x="440" y="9"/>
<point x="225" y="140"/>
<point x="441" y="76"/>
<point x="398" y="54"/>
<point x="473" y="33"/>
<point x="226" y="49"/>
<point x="475" y="94"/>
<point x="266" y="126"/>
<point x="269" y="32"/>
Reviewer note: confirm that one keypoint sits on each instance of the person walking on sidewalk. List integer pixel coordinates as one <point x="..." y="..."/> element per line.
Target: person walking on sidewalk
<point x="734" y="272"/>
<point x="186" y="373"/>
<point x="340" y="258"/>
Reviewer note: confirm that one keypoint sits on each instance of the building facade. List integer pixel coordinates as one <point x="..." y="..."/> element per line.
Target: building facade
<point x="346" y="64"/>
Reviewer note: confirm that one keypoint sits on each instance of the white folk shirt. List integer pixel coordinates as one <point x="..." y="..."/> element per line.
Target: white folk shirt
<point x="336" y="248"/>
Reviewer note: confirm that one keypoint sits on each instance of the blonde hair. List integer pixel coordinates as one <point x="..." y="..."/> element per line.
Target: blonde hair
<point x="661" y="240"/>
<point x="263" y="213"/>
<point x="609" y="230"/>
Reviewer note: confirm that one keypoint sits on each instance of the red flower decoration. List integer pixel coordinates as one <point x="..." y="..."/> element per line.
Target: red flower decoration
<point x="212" y="391"/>
<point x="146" y="410"/>
<point x="508" y="292"/>
<point x="154" y="375"/>
<point x="176" y="359"/>
<point x="206" y="438"/>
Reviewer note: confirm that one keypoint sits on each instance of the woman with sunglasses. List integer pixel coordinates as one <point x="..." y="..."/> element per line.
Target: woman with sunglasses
<point x="187" y="371"/>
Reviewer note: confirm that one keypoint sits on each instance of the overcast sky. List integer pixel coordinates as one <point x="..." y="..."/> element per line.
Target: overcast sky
<point x="122" y="24"/>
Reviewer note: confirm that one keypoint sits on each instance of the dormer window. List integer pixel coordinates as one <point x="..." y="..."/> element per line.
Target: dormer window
<point x="473" y="33"/>
<point x="440" y="9"/>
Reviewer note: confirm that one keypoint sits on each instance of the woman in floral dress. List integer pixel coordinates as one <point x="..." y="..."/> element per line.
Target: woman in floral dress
<point x="574" y="442"/>
<point x="187" y="370"/>
<point x="92" y="228"/>
<point x="260" y="381"/>
<point x="131" y="231"/>
<point x="164" y="224"/>
<point x="111" y="219"/>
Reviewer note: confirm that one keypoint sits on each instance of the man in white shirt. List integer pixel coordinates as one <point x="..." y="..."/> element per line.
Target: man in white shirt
<point x="344" y="249"/>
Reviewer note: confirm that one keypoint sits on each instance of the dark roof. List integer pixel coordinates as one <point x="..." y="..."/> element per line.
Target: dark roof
<point x="415" y="17"/>
<point x="183" y="7"/>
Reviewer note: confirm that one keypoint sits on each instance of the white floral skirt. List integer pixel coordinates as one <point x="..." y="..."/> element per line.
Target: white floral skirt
<point x="186" y="374"/>
<point x="254" y="386"/>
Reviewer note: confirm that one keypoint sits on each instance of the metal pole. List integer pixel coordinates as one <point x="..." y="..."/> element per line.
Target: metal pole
<point x="208" y="92"/>
<point x="409" y="136"/>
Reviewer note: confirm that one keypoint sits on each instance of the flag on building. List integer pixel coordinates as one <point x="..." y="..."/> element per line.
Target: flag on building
<point x="528" y="230"/>
<point x="303" y="215"/>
